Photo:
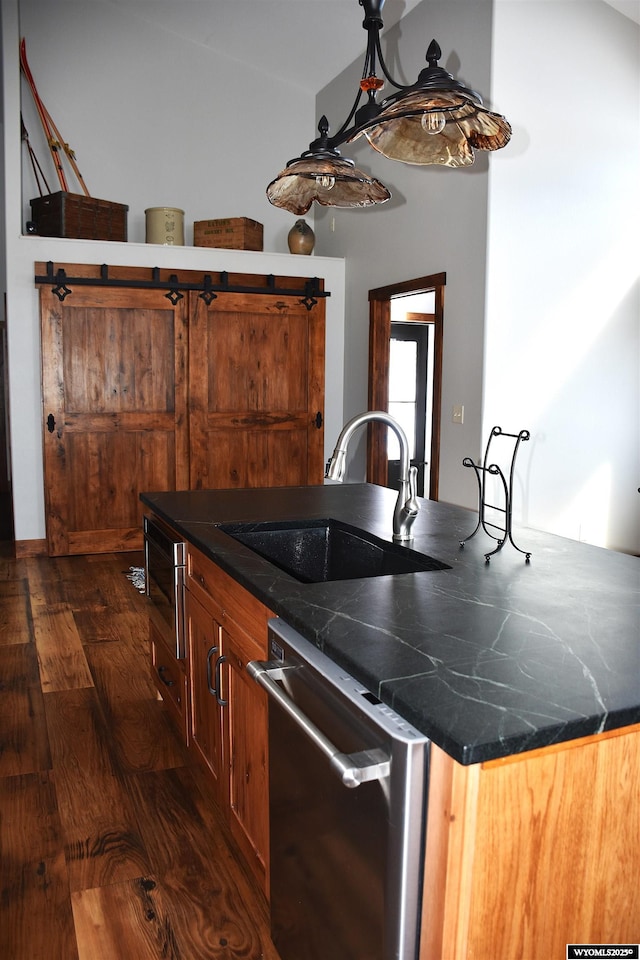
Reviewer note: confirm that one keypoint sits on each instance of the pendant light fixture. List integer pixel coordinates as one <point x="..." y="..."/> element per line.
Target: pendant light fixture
<point x="321" y="174"/>
<point x="435" y="120"/>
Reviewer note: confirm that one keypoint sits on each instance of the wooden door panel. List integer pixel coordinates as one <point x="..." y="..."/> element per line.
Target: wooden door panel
<point x="245" y="457"/>
<point x="256" y="388"/>
<point x="143" y="459"/>
<point x="258" y="362"/>
<point x="114" y="381"/>
<point x="133" y="361"/>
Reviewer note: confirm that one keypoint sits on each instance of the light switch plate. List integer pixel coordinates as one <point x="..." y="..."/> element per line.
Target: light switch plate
<point x="458" y="413"/>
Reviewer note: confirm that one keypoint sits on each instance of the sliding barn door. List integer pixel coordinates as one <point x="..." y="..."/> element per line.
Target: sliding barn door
<point x="115" y="412"/>
<point x="256" y="380"/>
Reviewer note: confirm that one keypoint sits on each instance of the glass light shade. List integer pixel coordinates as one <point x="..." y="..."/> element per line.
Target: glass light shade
<point x="332" y="181"/>
<point x="399" y="134"/>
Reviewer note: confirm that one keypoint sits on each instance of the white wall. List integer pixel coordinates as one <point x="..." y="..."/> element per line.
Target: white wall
<point x="144" y="136"/>
<point x="558" y="252"/>
<point x="156" y="120"/>
<point x="563" y="308"/>
<point x="436" y="221"/>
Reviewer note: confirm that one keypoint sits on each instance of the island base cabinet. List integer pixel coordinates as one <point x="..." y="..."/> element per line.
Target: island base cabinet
<point x="527" y="854"/>
<point x="206" y="726"/>
<point x="247" y="739"/>
<point x="227" y="627"/>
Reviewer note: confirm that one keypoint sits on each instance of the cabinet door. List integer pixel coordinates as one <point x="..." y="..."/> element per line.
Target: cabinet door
<point x="206" y="735"/>
<point x="114" y="417"/>
<point x="256" y="375"/>
<point x="248" y="751"/>
<point x="169" y="677"/>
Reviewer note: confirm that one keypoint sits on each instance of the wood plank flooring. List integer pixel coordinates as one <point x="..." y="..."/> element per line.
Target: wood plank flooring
<point x="110" y="844"/>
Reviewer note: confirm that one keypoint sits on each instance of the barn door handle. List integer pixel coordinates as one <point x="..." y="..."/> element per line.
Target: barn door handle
<point x="51" y="423"/>
<point x="318" y="420"/>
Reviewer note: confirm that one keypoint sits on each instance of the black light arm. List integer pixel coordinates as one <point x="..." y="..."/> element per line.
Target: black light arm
<point x="436" y="120"/>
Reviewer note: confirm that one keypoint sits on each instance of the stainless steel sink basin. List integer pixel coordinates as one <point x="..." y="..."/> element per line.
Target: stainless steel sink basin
<point x="315" y="551"/>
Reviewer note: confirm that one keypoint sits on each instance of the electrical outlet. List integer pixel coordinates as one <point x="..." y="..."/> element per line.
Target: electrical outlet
<point x="458" y="413"/>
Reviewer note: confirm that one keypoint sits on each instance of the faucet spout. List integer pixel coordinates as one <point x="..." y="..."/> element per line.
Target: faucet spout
<point x="406" y="509"/>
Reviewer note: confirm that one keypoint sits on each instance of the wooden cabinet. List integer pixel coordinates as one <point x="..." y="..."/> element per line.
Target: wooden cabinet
<point x="170" y="677"/>
<point x="204" y="637"/>
<point x="247" y="739"/>
<point x="227" y="627"/>
<point x="141" y="392"/>
<point x="529" y="853"/>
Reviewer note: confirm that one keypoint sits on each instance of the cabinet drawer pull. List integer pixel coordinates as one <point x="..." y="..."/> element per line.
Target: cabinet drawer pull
<point x="219" y="663"/>
<point x="161" y="674"/>
<point x="212" y="689"/>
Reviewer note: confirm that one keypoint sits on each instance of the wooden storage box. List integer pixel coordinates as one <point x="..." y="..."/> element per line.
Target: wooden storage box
<point x="82" y="218"/>
<point x="236" y="233"/>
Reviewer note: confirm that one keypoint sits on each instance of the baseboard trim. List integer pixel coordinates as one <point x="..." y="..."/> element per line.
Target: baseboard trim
<point x="31" y="548"/>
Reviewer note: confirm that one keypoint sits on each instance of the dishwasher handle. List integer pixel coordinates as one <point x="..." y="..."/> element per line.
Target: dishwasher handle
<point x="352" y="768"/>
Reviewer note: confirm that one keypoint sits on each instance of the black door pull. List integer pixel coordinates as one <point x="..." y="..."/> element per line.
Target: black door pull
<point x="161" y="674"/>
<point x="51" y="423"/>
<point x="318" y="420"/>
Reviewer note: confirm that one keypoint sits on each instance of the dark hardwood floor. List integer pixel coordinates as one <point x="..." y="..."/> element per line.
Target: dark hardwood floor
<point x="110" y="845"/>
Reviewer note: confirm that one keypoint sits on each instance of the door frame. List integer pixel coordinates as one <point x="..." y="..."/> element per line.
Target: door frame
<point x="379" y="351"/>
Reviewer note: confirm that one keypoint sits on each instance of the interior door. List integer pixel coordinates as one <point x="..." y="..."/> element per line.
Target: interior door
<point x="115" y="412"/>
<point x="256" y="376"/>
<point x="409" y="357"/>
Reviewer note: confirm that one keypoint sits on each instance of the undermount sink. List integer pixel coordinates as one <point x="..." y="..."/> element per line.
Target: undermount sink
<point x="316" y="551"/>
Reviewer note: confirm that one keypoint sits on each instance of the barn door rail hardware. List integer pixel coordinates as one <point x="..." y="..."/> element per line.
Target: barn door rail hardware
<point x="61" y="285"/>
<point x="484" y="472"/>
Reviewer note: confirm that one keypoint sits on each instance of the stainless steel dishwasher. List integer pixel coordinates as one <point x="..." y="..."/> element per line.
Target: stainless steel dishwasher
<point x="347" y="801"/>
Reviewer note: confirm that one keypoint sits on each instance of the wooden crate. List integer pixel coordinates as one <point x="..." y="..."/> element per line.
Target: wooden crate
<point x="75" y="215"/>
<point x="237" y="233"/>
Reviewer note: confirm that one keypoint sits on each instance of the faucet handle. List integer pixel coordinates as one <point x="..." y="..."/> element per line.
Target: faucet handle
<point x="411" y="506"/>
<point x="413" y="482"/>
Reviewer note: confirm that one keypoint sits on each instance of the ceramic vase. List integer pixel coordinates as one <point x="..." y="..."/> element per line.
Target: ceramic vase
<point x="301" y="238"/>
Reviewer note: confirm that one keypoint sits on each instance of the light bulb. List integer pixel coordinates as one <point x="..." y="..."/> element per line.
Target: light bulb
<point x="326" y="181"/>
<point x="433" y="123"/>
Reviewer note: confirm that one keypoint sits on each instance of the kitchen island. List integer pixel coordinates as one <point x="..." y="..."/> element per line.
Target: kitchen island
<point x="486" y="659"/>
<point x="509" y="668"/>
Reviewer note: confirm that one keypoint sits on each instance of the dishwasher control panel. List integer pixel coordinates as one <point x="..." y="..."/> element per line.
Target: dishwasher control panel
<point x="287" y="647"/>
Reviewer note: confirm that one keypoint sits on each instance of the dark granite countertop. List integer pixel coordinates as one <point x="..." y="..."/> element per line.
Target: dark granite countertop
<point x="488" y="660"/>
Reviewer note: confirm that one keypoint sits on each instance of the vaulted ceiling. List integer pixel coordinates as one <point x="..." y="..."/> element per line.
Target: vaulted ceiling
<point x="306" y="42"/>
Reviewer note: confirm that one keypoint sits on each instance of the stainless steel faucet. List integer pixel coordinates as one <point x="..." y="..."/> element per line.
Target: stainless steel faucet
<point x="406" y="509"/>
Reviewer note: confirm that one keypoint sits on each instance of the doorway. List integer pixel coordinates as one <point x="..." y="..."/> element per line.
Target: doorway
<point x="410" y="379"/>
<point x="405" y="378"/>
